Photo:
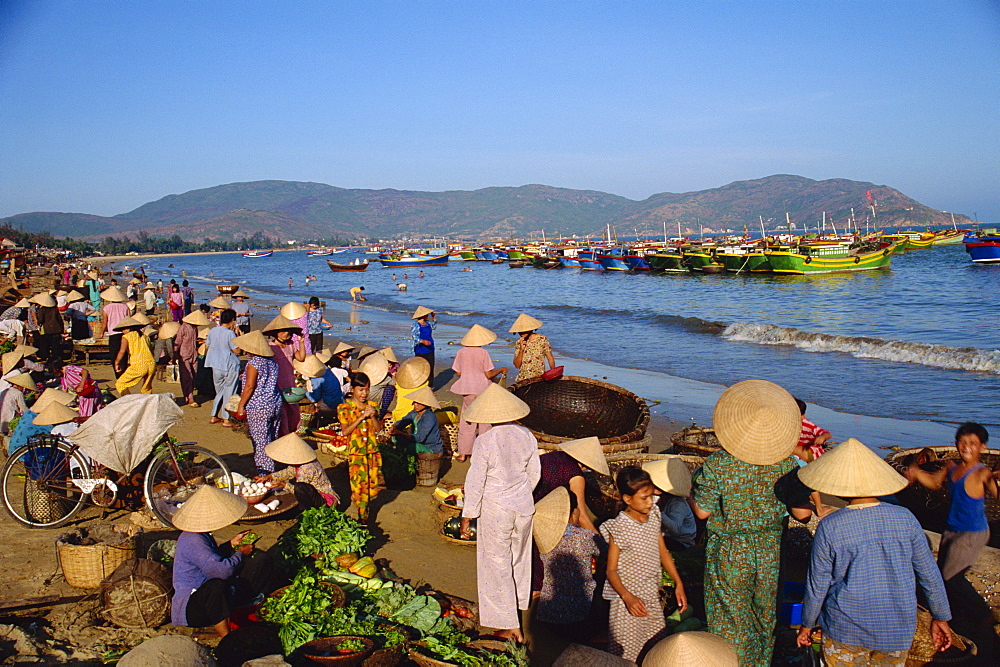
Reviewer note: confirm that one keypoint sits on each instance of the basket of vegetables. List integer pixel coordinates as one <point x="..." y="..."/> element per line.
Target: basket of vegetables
<point x="327" y="595"/>
<point x="342" y="651"/>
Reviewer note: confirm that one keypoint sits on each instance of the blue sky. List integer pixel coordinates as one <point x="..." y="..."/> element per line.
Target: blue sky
<point x="108" y="105"/>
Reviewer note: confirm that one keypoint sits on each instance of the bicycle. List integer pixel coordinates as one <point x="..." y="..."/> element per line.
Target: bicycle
<point x="49" y="481"/>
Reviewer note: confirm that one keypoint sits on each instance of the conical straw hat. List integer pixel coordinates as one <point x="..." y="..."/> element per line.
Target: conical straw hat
<point x="389" y="355"/>
<point x="92" y="275"/>
<point x="134" y="281"/>
<point x="169" y="329"/>
<point x="365" y="351"/>
<point x="149" y="286"/>
<point x="375" y="367"/>
<point x="55" y="413"/>
<point x="24" y="381"/>
<point x="241" y="293"/>
<point x="208" y="509"/>
<point x="692" y="649"/>
<point x="589" y="452"/>
<point x="524" y="322"/>
<point x="851" y="470"/>
<point x="26" y="350"/>
<point x="495" y="405"/>
<point x="254" y="343"/>
<point x="23" y="303"/>
<point x="757" y="421"/>
<point x="9" y="360"/>
<point x="203" y="332"/>
<point x="61" y="292"/>
<point x="477" y="336"/>
<point x="219" y="302"/>
<point x="424" y="396"/>
<point x="312" y="368"/>
<point x="342" y="347"/>
<point x="412" y="373"/>
<point x="51" y="395"/>
<point x="43" y="299"/>
<point x="421" y="311"/>
<point x="293" y="310"/>
<point x="551" y="517"/>
<point x="141" y="318"/>
<point x="196" y="318"/>
<point x="670" y="475"/>
<point x="325" y="355"/>
<point x="149" y="330"/>
<point x="291" y="450"/>
<point x="114" y="295"/>
<point x="281" y="323"/>
<point x="128" y="323"/>
<point x="74" y="296"/>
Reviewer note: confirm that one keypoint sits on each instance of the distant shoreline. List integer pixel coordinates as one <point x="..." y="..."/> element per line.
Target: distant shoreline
<point x="113" y="259"/>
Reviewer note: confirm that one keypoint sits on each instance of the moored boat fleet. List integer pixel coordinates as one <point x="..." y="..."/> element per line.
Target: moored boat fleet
<point x="778" y="254"/>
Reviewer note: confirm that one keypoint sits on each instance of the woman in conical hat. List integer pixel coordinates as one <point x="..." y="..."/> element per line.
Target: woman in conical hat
<point x="113" y="311"/>
<point x="210" y="581"/>
<point x="186" y="353"/>
<point x="532" y="349"/>
<point x="498" y="486"/>
<point x="79" y="311"/>
<point x="758" y="424"/>
<point x="310" y="483"/>
<point x="289" y="345"/>
<point x="12" y="403"/>
<point x="221" y="360"/>
<point x="141" y="365"/>
<point x="77" y="380"/>
<point x="260" y="401"/>
<point x="422" y="332"/>
<point x="425" y="435"/>
<point x="475" y="371"/>
<point x="866" y="563"/>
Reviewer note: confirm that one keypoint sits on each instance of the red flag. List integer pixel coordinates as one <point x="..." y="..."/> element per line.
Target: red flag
<point x="868" y="195"/>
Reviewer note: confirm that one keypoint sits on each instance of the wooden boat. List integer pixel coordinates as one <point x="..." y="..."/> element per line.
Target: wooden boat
<point x="359" y="266"/>
<point x="412" y="260"/>
<point x="948" y="238"/>
<point x="498" y="260"/>
<point x="809" y="259"/>
<point x="743" y="259"/>
<point x="258" y="254"/>
<point x="517" y="265"/>
<point x="669" y="261"/>
<point x="227" y="289"/>
<point x="695" y="439"/>
<point x="319" y="253"/>
<point x="984" y="247"/>
<point x="931" y="507"/>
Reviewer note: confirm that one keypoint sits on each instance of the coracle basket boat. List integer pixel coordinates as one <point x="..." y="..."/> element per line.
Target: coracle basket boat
<point x="931" y="507"/>
<point x="577" y="407"/>
<point x="695" y="439"/>
<point x="602" y="496"/>
<point x="227" y="289"/>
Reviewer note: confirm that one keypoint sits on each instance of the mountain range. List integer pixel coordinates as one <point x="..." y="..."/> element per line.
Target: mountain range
<point x="298" y="211"/>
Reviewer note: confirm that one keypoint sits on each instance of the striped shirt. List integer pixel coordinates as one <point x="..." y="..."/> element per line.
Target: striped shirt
<point x="865" y="566"/>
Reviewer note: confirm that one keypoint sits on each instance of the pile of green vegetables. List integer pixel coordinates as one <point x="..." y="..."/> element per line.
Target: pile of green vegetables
<point x="321" y="530"/>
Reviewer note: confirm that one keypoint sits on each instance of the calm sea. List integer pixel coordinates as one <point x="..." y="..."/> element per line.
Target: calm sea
<point x="917" y="342"/>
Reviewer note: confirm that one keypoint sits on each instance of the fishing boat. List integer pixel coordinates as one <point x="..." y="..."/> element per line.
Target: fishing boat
<point x="356" y="265"/>
<point x="668" y="261"/>
<point x="467" y="255"/>
<point x="568" y="262"/>
<point x="701" y="259"/>
<point x="809" y="259"/>
<point x="637" y="261"/>
<point x="910" y="240"/>
<point x="411" y="260"/>
<point x="948" y="238"/>
<point x="257" y="254"/>
<point x="743" y="259"/>
<point x="588" y="260"/>
<point x="984" y="248"/>
<point x="484" y="255"/>
<point x="613" y="259"/>
<point x="519" y="264"/>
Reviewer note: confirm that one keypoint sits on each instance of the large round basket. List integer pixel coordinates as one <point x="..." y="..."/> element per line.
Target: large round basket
<point x="88" y="555"/>
<point x="137" y="594"/>
<point x="923" y="652"/>
<point x="313" y="651"/>
<point x="695" y="440"/>
<point x="227" y="289"/>
<point x="603" y="497"/>
<point x="931" y="507"/>
<point x="578" y="407"/>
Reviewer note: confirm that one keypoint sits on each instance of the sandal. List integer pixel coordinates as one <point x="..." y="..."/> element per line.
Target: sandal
<point x="228" y="424"/>
<point x="214" y="420"/>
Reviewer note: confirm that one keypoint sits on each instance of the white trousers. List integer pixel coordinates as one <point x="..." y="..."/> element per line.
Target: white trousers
<point x="503" y="566"/>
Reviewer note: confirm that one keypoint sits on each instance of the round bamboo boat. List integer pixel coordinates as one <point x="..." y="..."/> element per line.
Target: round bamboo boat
<point x="602" y="496"/>
<point x="577" y="407"/>
<point x="695" y="439"/>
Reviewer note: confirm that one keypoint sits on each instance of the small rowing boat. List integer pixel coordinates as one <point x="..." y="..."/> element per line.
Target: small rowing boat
<point x="258" y="254"/>
<point x="356" y="266"/>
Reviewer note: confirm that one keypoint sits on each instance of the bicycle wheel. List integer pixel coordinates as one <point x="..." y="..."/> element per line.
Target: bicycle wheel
<point x="168" y="485"/>
<point x="38" y="490"/>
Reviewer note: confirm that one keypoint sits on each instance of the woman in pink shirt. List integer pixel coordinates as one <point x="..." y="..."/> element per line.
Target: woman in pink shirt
<point x="474" y="369"/>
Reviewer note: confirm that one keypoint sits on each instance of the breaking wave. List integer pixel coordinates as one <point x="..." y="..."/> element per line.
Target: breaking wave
<point x="937" y="356"/>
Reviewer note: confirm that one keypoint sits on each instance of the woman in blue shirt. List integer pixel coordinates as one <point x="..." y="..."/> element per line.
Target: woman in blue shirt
<point x="211" y="580"/>
<point x="221" y="358"/>
<point x="422" y="330"/>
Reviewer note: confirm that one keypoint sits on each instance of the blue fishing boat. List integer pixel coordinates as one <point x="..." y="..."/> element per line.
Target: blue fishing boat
<point x="485" y="255"/>
<point x="412" y="259"/>
<point x="568" y="262"/>
<point x="985" y="248"/>
<point x="613" y="259"/>
<point x="637" y="262"/>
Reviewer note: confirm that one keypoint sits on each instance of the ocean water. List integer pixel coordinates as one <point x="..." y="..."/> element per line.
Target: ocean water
<point x="914" y="343"/>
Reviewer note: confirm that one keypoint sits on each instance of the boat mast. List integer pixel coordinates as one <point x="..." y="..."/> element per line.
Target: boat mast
<point x="788" y="221"/>
<point x="762" y="233"/>
<point x="665" y="232"/>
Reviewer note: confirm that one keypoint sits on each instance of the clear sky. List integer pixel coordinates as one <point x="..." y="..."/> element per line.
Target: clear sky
<point x="107" y="105"/>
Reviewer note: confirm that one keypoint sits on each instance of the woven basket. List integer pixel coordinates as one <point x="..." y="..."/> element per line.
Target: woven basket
<point x="577" y="407"/>
<point x="618" y="461"/>
<point x="696" y="439"/>
<point x="923" y="652"/>
<point x="86" y="566"/>
<point x="331" y="643"/>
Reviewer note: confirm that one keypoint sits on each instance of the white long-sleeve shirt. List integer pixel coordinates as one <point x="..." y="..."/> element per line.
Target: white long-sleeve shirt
<point x="504" y="471"/>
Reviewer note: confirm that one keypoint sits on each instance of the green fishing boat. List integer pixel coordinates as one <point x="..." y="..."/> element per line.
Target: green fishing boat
<point x="743" y="259"/>
<point x="467" y="255"/>
<point x="516" y="255"/>
<point x="808" y="259"/>
<point x="667" y="261"/>
<point x="701" y="260"/>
